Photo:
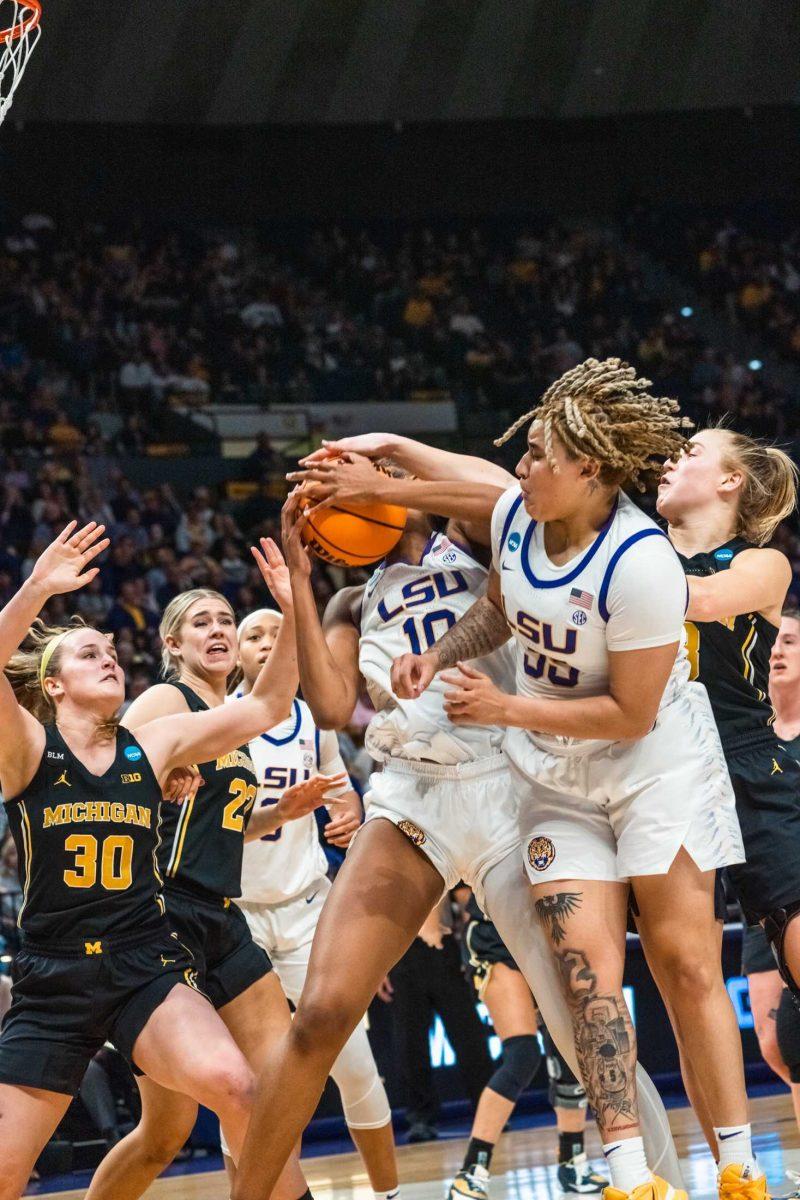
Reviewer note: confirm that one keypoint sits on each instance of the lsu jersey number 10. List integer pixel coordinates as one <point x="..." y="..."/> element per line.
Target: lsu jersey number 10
<point x="625" y="591"/>
<point x="407" y="607"/>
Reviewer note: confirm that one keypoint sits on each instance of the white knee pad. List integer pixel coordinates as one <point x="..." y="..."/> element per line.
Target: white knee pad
<point x="510" y="905"/>
<point x="364" y="1099"/>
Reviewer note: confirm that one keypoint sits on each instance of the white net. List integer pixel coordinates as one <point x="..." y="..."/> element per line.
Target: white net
<point x="19" y="33"/>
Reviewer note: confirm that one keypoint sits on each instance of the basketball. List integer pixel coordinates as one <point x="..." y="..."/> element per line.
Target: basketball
<point x="354" y="535"/>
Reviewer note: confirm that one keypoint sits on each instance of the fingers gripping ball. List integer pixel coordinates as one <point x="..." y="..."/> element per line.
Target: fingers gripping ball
<point x="354" y="535"/>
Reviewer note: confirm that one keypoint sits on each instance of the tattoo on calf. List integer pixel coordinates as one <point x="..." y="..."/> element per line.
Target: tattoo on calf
<point x="605" y="1043"/>
<point x="553" y="911"/>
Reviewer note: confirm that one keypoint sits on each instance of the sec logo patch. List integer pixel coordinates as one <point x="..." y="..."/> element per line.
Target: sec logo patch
<point x="412" y="832"/>
<point x="541" y="853"/>
<point x="579" y="617"/>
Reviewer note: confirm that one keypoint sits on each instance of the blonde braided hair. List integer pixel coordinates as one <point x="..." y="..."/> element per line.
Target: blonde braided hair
<point x="603" y="410"/>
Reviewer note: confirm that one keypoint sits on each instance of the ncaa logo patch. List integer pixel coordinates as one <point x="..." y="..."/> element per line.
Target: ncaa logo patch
<point x="412" y="832"/>
<point x="541" y="853"/>
<point x="132" y="753"/>
<point x="723" y="555"/>
<point x="514" y="541"/>
<point x="579" y="617"/>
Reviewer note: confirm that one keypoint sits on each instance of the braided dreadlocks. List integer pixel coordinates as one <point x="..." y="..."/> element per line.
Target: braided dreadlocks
<point x="603" y="410"/>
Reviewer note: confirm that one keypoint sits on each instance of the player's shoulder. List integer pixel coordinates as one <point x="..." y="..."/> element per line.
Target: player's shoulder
<point x="160" y="700"/>
<point x="344" y="608"/>
<point x="507" y="510"/>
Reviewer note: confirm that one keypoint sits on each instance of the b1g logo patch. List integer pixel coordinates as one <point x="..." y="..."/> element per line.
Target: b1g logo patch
<point x="412" y="832"/>
<point x="541" y="853"/>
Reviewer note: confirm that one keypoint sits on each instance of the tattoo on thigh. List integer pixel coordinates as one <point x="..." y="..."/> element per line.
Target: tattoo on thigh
<point x="605" y="1043"/>
<point x="553" y="911"/>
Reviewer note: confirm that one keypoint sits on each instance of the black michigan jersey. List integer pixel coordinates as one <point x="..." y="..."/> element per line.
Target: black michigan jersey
<point x="731" y="658"/>
<point x="87" y="846"/>
<point x="203" y="839"/>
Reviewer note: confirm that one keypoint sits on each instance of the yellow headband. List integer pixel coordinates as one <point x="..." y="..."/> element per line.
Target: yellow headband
<point x="48" y="653"/>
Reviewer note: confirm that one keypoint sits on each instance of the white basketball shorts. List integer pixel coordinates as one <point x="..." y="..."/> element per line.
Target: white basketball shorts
<point x="462" y="817"/>
<point x="626" y="808"/>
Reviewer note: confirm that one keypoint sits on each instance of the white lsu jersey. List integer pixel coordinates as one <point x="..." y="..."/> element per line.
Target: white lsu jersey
<point x="626" y="591"/>
<point x="282" y="865"/>
<point x="406" y="607"/>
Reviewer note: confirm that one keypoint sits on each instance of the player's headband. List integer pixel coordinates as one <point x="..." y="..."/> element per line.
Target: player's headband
<point x="48" y="653"/>
<point x="259" y="612"/>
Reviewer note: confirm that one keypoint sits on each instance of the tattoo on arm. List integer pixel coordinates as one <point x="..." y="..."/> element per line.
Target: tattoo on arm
<point x="605" y="1043"/>
<point x="482" y="629"/>
<point x="553" y="911"/>
<point x="773" y="1014"/>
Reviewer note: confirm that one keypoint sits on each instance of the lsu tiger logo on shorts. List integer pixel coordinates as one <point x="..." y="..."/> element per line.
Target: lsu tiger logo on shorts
<point x="541" y="853"/>
<point x="412" y="832"/>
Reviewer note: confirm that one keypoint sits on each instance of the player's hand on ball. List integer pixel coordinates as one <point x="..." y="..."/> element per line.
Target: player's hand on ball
<point x="274" y="572"/>
<point x="62" y="566"/>
<point x="372" y="445"/>
<point x="293" y="518"/>
<point x="181" y="784"/>
<point x="411" y="674"/>
<point x="302" y="798"/>
<point x="348" y="479"/>
<point x="472" y="698"/>
<point x="345" y="820"/>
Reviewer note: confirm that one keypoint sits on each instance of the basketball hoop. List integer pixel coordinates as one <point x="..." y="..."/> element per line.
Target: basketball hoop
<point x="19" y="33"/>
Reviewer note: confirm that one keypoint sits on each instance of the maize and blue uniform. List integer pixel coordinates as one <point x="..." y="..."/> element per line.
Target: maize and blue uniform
<point x="98" y="955"/>
<point x="200" y="858"/>
<point x="731" y="658"/>
<point x="592" y="808"/>
<point x="445" y="787"/>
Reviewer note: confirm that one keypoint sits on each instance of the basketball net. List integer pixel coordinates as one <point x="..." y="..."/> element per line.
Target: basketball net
<point x="19" y="33"/>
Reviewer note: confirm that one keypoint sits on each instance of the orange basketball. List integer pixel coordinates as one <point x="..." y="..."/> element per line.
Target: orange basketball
<point x="354" y="535"/>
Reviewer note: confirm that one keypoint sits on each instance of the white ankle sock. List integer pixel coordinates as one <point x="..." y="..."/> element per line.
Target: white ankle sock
<point x="734" y="1145"/>
<point x="627" y="1163"/>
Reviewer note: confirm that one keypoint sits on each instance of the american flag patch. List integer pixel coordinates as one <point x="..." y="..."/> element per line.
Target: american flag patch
<point x="582" y="599"/>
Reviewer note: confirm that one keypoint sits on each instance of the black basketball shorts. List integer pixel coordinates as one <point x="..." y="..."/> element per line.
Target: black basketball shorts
<point x="228" y="961"/>
<point x="66" y="1004"/>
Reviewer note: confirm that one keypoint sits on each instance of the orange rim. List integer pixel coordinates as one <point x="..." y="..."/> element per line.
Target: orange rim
<point x="25" y="24"/>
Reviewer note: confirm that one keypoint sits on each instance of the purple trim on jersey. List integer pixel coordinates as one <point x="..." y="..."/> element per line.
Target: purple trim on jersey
<point x="612" y="562"/>
<point x="512" y="512"/>
<point x="575" y="572"/>
<point x="316" y="743"/>
<point x="298" y="717"/>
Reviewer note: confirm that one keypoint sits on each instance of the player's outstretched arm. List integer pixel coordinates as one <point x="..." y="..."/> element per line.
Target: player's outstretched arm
<point x="756" y="581"/>
<point x="353" y="479"/>
<point x="482" y="629"/>
<point x="327" y="658"/>
<point x="63" y="567"/>
<point x="426" y="462"/>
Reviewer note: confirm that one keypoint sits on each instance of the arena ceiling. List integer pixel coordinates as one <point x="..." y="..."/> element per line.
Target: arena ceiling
<point x="246" y="62"/>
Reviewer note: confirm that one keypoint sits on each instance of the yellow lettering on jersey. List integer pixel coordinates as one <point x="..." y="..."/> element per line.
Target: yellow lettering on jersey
<point x="235" y="759"/>
<point x="145" y="816"/>
<point x="117" y="812"/>
<point x="56" y="816"/>
<point x="78" y="810"/>
<point x="94" y="811"/>
<point x="134" y="777"/>
<point x="93" y="947"/>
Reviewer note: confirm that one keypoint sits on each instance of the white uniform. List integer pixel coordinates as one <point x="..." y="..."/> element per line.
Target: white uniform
<point x="285" y="884"/>
<point x="594" y="809"/>
<point x="446" y="788"/>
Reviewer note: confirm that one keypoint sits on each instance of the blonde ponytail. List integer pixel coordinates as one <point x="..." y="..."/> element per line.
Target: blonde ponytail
<point x="769" y="485"/>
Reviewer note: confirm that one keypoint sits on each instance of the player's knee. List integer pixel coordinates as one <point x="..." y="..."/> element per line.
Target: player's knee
<point x="689" y="975"/>
<point x="564" y="1089"/>
<point x="787" y="1031"/>
<point x="323" y="1021"/>
<point x="521" y="1058"/>
<point x="230" y="1085"/>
